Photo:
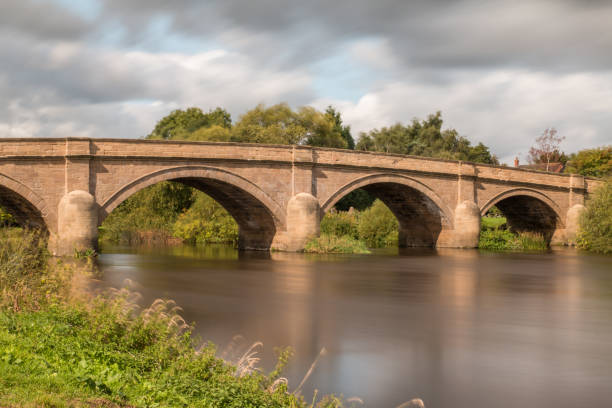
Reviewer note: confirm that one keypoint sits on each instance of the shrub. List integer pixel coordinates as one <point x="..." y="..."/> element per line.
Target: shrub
<point x="206" y="221"/>
<point x="331" y="244"/>
<point x="378" y="227"/>
<point x="595" y="232"/>
<point x="340" y="223"/>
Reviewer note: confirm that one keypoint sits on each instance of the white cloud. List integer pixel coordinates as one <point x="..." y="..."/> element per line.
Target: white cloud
<point x="506" y="110"/>
<point x="71" y="89"/>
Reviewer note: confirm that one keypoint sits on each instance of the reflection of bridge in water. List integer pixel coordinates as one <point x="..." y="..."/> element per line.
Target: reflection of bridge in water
<point x="277" y="194"/>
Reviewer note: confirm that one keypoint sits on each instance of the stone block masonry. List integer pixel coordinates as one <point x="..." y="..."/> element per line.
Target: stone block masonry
<point x="278" y="194"/>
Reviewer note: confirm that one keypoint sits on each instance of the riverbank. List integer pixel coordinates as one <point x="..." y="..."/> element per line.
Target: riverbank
<point x="61" y="346"/>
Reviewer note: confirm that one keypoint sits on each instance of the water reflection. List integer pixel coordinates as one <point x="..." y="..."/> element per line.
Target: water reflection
<point x="457" y="328"/>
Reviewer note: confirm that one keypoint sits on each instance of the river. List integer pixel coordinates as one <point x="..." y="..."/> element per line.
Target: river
<point x="457" y="328"/>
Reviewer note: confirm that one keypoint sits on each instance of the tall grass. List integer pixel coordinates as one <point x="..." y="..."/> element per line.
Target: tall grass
<point x="495" y="235"/>
<point x="60" y="350"/>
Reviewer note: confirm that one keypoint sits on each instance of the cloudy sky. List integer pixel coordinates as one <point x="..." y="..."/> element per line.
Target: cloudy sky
<point x="500" y="71"/>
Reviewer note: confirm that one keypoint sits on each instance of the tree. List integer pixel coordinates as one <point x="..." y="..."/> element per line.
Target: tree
<point x="591" y="162"/>
<point x="425" y="138"/>
<point x="546" y="150"/>
<point x="180" y="123"/>
<point x="345" y="131"/>
<point x="279" y="124"/>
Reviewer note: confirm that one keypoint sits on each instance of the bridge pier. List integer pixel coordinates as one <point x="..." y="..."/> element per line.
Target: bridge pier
<point x="467" y="225"/>
<point x="303" y="221"/>
<point x="77" y="224"/>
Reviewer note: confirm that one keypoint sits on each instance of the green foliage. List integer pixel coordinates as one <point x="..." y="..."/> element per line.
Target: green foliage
<point x="179" y="123"/>
<point x="494" y="212"/>
<point x="341" y="223"/>
<point x="358" y="199"/>
<point x="495" y="235"/>
<point x="66" y="351"/>
<point x="214" y="133"/>
<point x="331" y="244"/>
<point x="375" y="227"/>
<point x="591" y="162"/>
<point x="6" y="218"/>
<point x="155" y="208"/>
<point x="425" y="138"/>
<point x="595" y="232"/>
<point x="279" y="124"/>
<point x="206" y="222"/>
<point x="345" y="131"/>
<point x="23" y="261"/>
<point x="378" y="227"/>
<point x="489" y="223"/>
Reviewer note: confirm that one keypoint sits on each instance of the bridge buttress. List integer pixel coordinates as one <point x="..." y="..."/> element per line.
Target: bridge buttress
<point x="77" y="224"/>
<point x="303" y="222"/>
<point x="466" y="225"/>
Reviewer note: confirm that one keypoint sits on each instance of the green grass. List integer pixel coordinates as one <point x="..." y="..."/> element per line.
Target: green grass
<point x="62" y="347"/>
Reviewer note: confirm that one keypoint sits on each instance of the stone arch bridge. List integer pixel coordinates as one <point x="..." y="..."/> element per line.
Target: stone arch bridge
<point x="278" y="194"/>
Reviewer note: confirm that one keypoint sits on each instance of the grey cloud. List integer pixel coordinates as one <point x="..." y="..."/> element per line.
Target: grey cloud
<point x="563" y="35"/>
<point x="42" y="20"/>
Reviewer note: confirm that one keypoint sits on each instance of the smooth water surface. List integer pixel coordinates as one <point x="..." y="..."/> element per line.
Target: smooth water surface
<point x="457" y="328"/>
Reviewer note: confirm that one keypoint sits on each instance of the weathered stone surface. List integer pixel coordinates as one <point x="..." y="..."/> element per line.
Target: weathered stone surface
<point x="257" y="183"/>
<point x="302" y="221"/>
<point x="467" y="225"/>
<point x="572" y="223"/>
<point x="78" y="223"/>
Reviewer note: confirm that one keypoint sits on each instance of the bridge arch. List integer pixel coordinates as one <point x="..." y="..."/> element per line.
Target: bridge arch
<point x="421" y="213"/>
<point x="258" y="216"/>
<point x="528" y="210"/>
<point x="28" y="208"/>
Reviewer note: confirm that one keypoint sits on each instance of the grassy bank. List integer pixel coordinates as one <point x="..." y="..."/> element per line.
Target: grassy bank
<point x="62" y="347"/>
<point x="495" y="235"/>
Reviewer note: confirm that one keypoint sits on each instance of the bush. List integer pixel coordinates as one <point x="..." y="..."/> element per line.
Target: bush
<point x="595" y="232"/>
<point x="340" y="223"/>
<point x="151" y="211"/>
<point x="206" y="221"/>
<point x="378" y="227"/>
<point x="331" y="244"/>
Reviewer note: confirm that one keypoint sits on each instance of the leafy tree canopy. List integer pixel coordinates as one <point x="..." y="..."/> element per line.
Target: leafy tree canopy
<point x="279" y="124"/>
<point x="425" y="138"/>
<point x="591" y="162"/>
<point x="179" y="124"/>
<point x="345" y="131"/>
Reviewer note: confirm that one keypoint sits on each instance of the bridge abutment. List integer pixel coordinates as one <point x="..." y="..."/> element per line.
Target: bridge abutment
<point x="77" y="227"/>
